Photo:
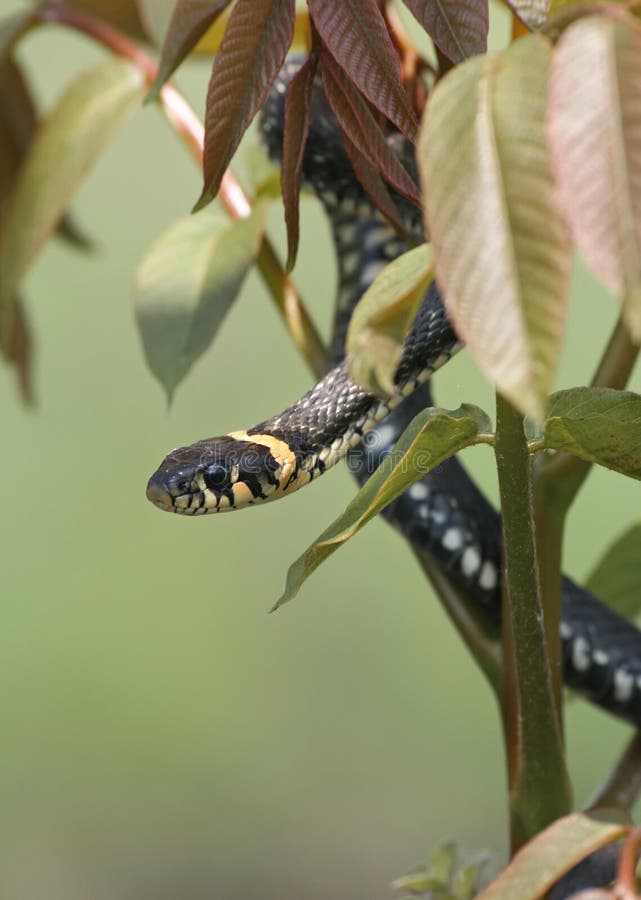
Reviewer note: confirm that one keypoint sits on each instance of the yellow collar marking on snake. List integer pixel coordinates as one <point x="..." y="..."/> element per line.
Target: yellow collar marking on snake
<point x="280" y="450"/>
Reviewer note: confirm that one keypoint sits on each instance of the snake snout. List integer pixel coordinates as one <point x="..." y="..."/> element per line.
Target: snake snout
<point x="157" y="492"/>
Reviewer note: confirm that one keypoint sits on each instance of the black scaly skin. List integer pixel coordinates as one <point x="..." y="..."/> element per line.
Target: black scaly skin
<point x="445" y="516"/>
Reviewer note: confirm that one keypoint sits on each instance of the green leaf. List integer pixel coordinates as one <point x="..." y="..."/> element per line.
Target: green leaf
<point x="616" y="579"/>
<point x="600" y="425"/>
<point x="66" y="147"/>
<point x="189" y="22"/>
<point x="553" y="852"/>
<point x="256" y="41"/>
<point x="382" y="318"/>
<point x="186" y="284"/>
<point x="500" y="246"/>
<point x="594" y="128"/>
<point x="431" y="437"/>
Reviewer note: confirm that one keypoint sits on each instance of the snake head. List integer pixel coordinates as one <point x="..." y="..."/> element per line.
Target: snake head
<point x="222" y="473"/>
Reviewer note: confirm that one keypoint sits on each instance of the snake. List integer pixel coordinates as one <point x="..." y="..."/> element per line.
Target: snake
<point x="444" y="515"/>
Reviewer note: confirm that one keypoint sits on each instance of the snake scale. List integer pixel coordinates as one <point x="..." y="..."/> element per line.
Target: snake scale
<point x="444" y="515"/>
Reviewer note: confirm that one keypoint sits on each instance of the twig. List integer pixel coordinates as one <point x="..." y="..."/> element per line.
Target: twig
<point x="623" y="784"/>
<point x="187" y="125"/>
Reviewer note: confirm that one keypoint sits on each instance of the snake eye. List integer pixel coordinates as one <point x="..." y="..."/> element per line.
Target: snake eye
<point x="216" y="477"/>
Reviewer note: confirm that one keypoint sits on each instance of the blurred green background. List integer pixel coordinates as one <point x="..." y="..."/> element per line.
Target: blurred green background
<point x="162" y="736"/>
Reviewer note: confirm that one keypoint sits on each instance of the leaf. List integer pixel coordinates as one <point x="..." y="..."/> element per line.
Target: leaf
<point x="600" y="425"/>
<point x="532" y="13"/>
<point x="355" y="34"/>
<point x="431" y="437"/>
<point x="374" y="186"/>
<point x="595" y="141"/>
<point x="18" y="126"/>
<point x="189" y="22"/>
<point x="297" y="122"/>
<point x="617" y="577"/>
<point x="155" y="16"/>
<point x="121" y="13"/>
<point x="19" y="354"/>
<point x="553" y="852"/>
<point x="69" y="142"/>
<point x="458" y="27"/>
<point x="362" y="129"/>
<point x="501" y="251"/>
<point x="382" y="318"/>
<point x="13" y="28"/>
<point x="185" y="285"/>
<point x="250" y="57"/>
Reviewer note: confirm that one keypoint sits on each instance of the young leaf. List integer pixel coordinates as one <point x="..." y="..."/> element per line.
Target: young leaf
<point x="600" y="425"/>
<point x="355" y="34"/>
<point x="189" y="22"/>
<point x="502" y="256"/>
<point x="69" y="142"/>
<point x="431" y="437"/>
<point x="297" y="122"/>
<point x="595" y="139"/>
<point x="362" y="129"/>
<point x="250" y="57"/>
<point x="457" y="27"/>
<point x="553" y="852"/>
<point x="617" y="577"/>
<point x="186" y="284"/>
<point x="382" y="318"/>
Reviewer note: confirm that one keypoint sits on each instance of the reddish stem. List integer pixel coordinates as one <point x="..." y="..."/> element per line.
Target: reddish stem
<point x="626" y="882"/>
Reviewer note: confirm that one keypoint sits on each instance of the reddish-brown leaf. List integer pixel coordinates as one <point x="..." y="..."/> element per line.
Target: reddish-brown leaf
<point x="297" y="120"/>
<point x="361" y="128"/>
<point x="355" y="34"/>
<point x="190" y="20"/>
<point x="252" y="52"/>
<point x="594" y="131"/>
<point x="374" y="186"/>
<point x="457" y="27"/>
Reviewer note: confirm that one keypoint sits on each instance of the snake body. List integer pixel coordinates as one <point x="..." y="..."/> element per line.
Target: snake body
<point x="444" y="515"/>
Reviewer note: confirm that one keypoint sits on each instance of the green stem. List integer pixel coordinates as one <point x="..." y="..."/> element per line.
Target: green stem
<point x="558" y="479"/>
<point x="539" y="787"/>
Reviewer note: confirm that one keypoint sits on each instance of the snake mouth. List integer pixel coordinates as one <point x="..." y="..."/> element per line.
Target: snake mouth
<point x="159" y="496"/>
